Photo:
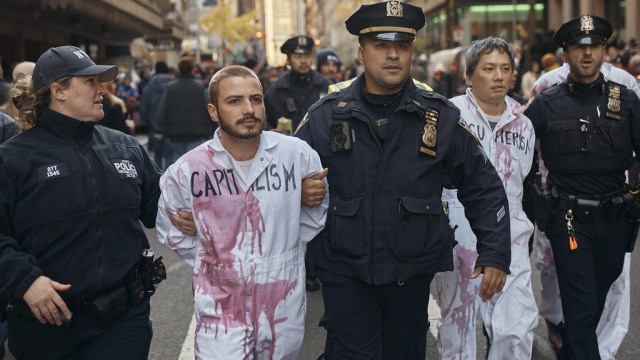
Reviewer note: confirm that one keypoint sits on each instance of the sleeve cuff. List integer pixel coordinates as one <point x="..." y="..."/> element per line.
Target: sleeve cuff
<point x="27" y="281"/>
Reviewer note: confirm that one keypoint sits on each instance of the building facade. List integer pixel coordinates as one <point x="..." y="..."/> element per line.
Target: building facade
<point x="452" y="23"/>
<point x="103" y="28"/>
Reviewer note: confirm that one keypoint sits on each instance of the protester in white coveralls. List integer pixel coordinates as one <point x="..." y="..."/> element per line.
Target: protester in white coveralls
<point x="244" y="189"/>
<point x="614" y="322"/>
<point x="508" y="140"/>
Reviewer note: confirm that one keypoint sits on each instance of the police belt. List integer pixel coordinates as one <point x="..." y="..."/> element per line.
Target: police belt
<point x="585" y="207"/>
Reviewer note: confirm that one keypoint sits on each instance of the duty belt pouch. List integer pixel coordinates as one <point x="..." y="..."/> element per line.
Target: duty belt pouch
<point x="543" y="207"/>
<point x="586" y="210"/>
<point x="631" y="206"/>
<point x="110" y="306"/>
<point x="614" y="208"/>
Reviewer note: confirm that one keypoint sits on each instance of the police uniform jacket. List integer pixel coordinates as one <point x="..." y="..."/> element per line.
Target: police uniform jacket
<point x="386" y="220"/>
<point x="73" y="195"/>
<point x="587" y="133"/>
<point x="291" y="100"/>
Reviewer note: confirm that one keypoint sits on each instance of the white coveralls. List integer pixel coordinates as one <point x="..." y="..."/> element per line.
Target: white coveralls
<point x="511" y="315"/>
<point x="614" y="322"/>
<point x="247" y="255"/>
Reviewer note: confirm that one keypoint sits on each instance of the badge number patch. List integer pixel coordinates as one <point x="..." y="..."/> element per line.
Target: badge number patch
<point x="125" y="169"/>
<point x="53" y="171"/>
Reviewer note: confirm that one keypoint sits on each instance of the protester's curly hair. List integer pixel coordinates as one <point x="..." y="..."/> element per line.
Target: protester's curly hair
<point x="30" y="101"/>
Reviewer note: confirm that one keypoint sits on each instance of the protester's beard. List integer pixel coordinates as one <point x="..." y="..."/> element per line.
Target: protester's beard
<point x="232" y="130"/>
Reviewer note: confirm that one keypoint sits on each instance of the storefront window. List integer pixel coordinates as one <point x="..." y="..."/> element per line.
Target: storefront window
<point x="478" y="20"/>
<point x="436" y="30"/>
<point x="497" y="20"/>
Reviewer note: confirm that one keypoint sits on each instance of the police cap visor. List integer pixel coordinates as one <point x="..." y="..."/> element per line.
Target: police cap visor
<point x="391" y="36"/>
<point x="586" y="41"/>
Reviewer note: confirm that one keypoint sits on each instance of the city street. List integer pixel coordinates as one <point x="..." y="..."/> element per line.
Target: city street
<point x="172" y="313"/>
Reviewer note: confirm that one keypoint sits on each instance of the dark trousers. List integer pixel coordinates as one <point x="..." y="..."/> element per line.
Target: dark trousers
<point x="3" y="338"/>
<point x="365" y="321"/>
<point x="128" y="338"/>
<point x="585" y="276"/>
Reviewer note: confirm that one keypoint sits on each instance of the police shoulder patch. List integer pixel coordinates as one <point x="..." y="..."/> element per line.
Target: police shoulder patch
<point x="340" y="86"/>
<point x="526" y="106"/>
<point x="422" y="85"/>
<point x="463" y="124"/>
<point x="304" y="122"/>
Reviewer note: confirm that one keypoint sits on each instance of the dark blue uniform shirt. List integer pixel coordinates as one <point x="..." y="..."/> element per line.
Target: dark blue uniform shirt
<point x="386" y="221"/>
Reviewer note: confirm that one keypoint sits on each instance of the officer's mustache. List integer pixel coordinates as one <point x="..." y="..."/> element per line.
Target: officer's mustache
<point x="393" y="63"/>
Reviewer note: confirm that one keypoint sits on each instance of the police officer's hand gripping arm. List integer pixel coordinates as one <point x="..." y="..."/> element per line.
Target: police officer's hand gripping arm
<point x="314" y="189"/>
<point x="481" y="192"/>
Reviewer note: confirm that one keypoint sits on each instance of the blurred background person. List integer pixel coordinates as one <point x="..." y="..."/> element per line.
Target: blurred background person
<point x="182" y="115"/>
<point x="549" y="62"/>
<point x="21" y="69"/>
<point x="515" y="96"/>
<point x="529" y="78"/>
<point x="288" y="100"/>
<point x="128" y="93"/>
<point x="114" y="110"/>
<point x="149" y="103"/>
<point x="329" y="65"/>
<point x="441" y="81"/>
<point x="418" y="71"/>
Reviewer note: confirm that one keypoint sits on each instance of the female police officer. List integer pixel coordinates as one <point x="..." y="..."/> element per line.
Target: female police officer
<point x="72" y="196"/>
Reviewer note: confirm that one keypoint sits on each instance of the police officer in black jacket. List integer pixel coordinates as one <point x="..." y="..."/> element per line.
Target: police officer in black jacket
<point x="390" y="147"/>
<point x="292" y="95"/>
<point x="588" y="128"/>
<point x="73" y="195"/>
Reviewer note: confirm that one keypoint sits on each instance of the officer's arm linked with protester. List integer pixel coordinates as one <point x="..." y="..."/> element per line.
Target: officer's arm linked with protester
<point x="390" y="145"/>
<point x="74" y="195"/>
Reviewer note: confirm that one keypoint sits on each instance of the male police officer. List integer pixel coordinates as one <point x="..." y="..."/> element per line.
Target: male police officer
<point x="390" y="147"/>
<point x="614" y="321"/>
<point x="588" y="127"/>
<point x="292" y="95"/>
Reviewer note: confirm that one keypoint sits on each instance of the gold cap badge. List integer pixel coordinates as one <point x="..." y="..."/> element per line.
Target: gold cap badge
<point x="394" y="8"/>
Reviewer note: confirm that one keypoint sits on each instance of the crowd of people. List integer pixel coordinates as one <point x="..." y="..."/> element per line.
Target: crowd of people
<point x="387" y="184"/>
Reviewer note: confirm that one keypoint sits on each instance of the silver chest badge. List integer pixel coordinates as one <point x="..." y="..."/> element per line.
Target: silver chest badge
<point x="586" y="23"/>
<point x="614" y="104"/>
<point x="394" y="8"/>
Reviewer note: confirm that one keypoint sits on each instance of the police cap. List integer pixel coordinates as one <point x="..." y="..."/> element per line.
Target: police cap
<point x="297" y="45"/>
<point x="583" y="30"/>
<point x="391" y="21"/>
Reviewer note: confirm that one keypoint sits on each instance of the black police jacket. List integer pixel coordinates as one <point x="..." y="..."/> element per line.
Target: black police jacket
<point x="587" y="134"/>
<point x="386" y="220"/>
<point x="73" y="195"/>
<point x="291" y="100"/>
